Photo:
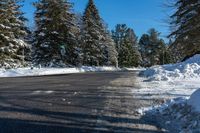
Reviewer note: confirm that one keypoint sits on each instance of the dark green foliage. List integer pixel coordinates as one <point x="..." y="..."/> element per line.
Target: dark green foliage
<point x="55" y="41"/>
<point x="97" y="45"/>
<point x="185" y="28"/>
<point x="152" y="48"/>
<point x="127" y="47"/>
<point x="165" y="57"/>
<point x="93" y="37"/>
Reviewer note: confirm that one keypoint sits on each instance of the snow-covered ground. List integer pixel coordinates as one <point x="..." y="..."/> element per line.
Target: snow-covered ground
<point x="51" y="71"/>
<point x="179" y="83"/>
<point x="188" y="70"/>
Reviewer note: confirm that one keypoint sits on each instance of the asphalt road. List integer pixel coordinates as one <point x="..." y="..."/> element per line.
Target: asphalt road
<point x="73" y="103"/>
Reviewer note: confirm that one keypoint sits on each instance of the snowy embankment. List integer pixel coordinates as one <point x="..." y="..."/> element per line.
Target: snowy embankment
<point x="172" y="81"/>
<point x="179" y="115"/>
<point x="51" y="71"/>
<point x="190" y="69"/>
<point x="181" y="82"/>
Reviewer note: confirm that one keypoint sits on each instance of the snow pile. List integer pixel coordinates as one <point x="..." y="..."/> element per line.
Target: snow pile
<point x="189" y="69"/>
<point x="194" y="101"/>
<point x="161" y="108"/>
<point x="51" y="71"/>
<point x="179" y="82"/>
<point x="180" y="115"/>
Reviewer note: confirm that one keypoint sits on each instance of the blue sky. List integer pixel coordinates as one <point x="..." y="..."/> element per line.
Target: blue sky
<point x="140" y="15"/>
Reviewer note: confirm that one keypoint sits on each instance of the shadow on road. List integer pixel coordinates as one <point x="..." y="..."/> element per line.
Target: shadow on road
<point x="61" y="122"/>
<point x="79" y="103"/>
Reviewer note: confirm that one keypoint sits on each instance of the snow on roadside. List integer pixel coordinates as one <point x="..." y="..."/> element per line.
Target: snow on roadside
<point x="180" y="115"/>
<point x="194" y="101"/>
<point x="187" y="70"/>
<point x="179" y="82"/>
<point x="51" y="71"/>
<point x="170" y="81"/>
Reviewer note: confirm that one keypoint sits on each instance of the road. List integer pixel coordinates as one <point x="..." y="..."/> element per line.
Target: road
<point x="73" y="103"/>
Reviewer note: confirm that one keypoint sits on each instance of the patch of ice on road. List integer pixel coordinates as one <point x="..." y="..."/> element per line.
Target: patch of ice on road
<point x="42" y="92"/>
<point x="36" y="92"/>
<point x="48" y="92"/>
<point x="63" y="99"/>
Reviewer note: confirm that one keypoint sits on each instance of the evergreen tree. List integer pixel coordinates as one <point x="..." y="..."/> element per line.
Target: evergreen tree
<point x="152" y="47"/>
<point x="92" y="36"/>
<point x="134" y="55"/>
<point x="12" y="33"/>
<point x="185" y="28"/>
<point x="144" y="48"/>
<point x="97" y="44"/>
<point x="127" y="46"/>
<point x="110" y="51"/>
<point x="55" y="40"/>
<point x="165" y="57"/>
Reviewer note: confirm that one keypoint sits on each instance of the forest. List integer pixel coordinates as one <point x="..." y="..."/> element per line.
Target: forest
<point x="62" y="38"/>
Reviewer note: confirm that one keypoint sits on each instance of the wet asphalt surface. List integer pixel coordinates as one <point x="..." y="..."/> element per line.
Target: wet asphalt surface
<point x="73" y="103"/>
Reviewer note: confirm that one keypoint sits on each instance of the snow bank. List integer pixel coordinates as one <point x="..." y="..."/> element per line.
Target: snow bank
<point x="194" y="100"/>
<point x="180" y="115"/>
<point x="172" y="80"/>
<point x="189" y="69"/>
<point x="179" y="82"/>
<point x="51" y="71"/>
<point x="160" y="108"/>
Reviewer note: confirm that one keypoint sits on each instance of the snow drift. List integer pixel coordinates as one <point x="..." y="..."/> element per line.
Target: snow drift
<point x="187" y="70"/>
<point x="180" y="115"/>
<point x="194" y="101"/>
<point x="51" y="71"/>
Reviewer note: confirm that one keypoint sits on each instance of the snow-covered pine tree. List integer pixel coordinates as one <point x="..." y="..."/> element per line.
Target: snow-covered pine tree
<point x="110" y="52"/>
<point x="93" y="36"/>
<point x="127" y="46"/>
<point x="55" y="38"/>
<point x="79" y="23"/>
<point x="185" y="29"/>
<point x="12" y="33"/>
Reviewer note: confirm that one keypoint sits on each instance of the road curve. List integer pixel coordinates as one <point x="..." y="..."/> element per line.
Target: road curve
<point x="73" y="103"/>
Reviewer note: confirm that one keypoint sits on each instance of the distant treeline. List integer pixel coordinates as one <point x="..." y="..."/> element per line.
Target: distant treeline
<point x="62" y="38"/>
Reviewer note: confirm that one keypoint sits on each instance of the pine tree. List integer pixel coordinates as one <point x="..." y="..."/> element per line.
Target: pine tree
<point x="185" y="28"/>
<point x="127" y="46"/>
<point x="152" y="47"/>
<point x="135" y="56"/>
<point x="92" y="36"/>
<point x="12" y="33"/>
<point x="110" y="51"/>
<point x="96" y="40"/>
<point x="165" y="57"/>
<point x="79" y="23"/>
<point x="144" y="48"/>
<point x="55" y="41"/>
